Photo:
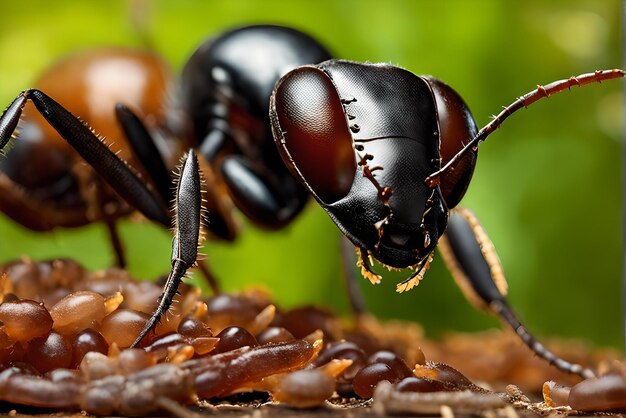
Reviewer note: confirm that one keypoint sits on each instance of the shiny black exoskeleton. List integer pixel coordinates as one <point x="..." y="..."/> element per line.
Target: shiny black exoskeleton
<point x="225" y="91"/>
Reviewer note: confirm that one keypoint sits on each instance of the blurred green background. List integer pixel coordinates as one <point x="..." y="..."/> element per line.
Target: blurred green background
<point x="548" y="186"/>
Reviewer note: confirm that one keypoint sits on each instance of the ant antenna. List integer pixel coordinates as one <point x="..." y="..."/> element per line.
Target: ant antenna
<point x="523" y="102"/>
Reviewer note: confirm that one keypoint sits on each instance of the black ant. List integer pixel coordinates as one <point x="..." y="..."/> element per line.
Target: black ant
<point x="386" y="153"/>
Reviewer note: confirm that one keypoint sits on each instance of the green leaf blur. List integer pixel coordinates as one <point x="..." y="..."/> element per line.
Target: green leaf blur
<point x="547" y="187"/>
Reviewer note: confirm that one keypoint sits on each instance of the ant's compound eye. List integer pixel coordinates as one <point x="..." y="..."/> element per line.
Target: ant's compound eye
<point x="457" y="128"/>
<point x="312" y="134"/>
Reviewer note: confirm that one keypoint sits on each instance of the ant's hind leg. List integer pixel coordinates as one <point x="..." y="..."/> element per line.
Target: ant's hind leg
<point x="471" y="257"/>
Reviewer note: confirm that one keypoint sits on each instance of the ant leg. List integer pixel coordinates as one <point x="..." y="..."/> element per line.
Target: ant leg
<point x="219" y="205"/>
<point x="114" y="236"/>
<point x="209" y="277"/>
<point x="144" y="147"/>
<point x="8" y="124"/>
<point x="357" y="304"/>
<point x="109" y="166"/>
<point x="472" y="259"/>
<point x="217" y="142"/>
<point x="187" y="225"/>
<point x="96" y="207"/>
<point x="148" y="155"/>
<point x="269" y="199"/>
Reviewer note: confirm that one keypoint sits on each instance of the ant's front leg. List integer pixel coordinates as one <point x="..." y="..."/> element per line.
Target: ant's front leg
<point x="187" y="228"/>
<point x="471" y="257"/>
